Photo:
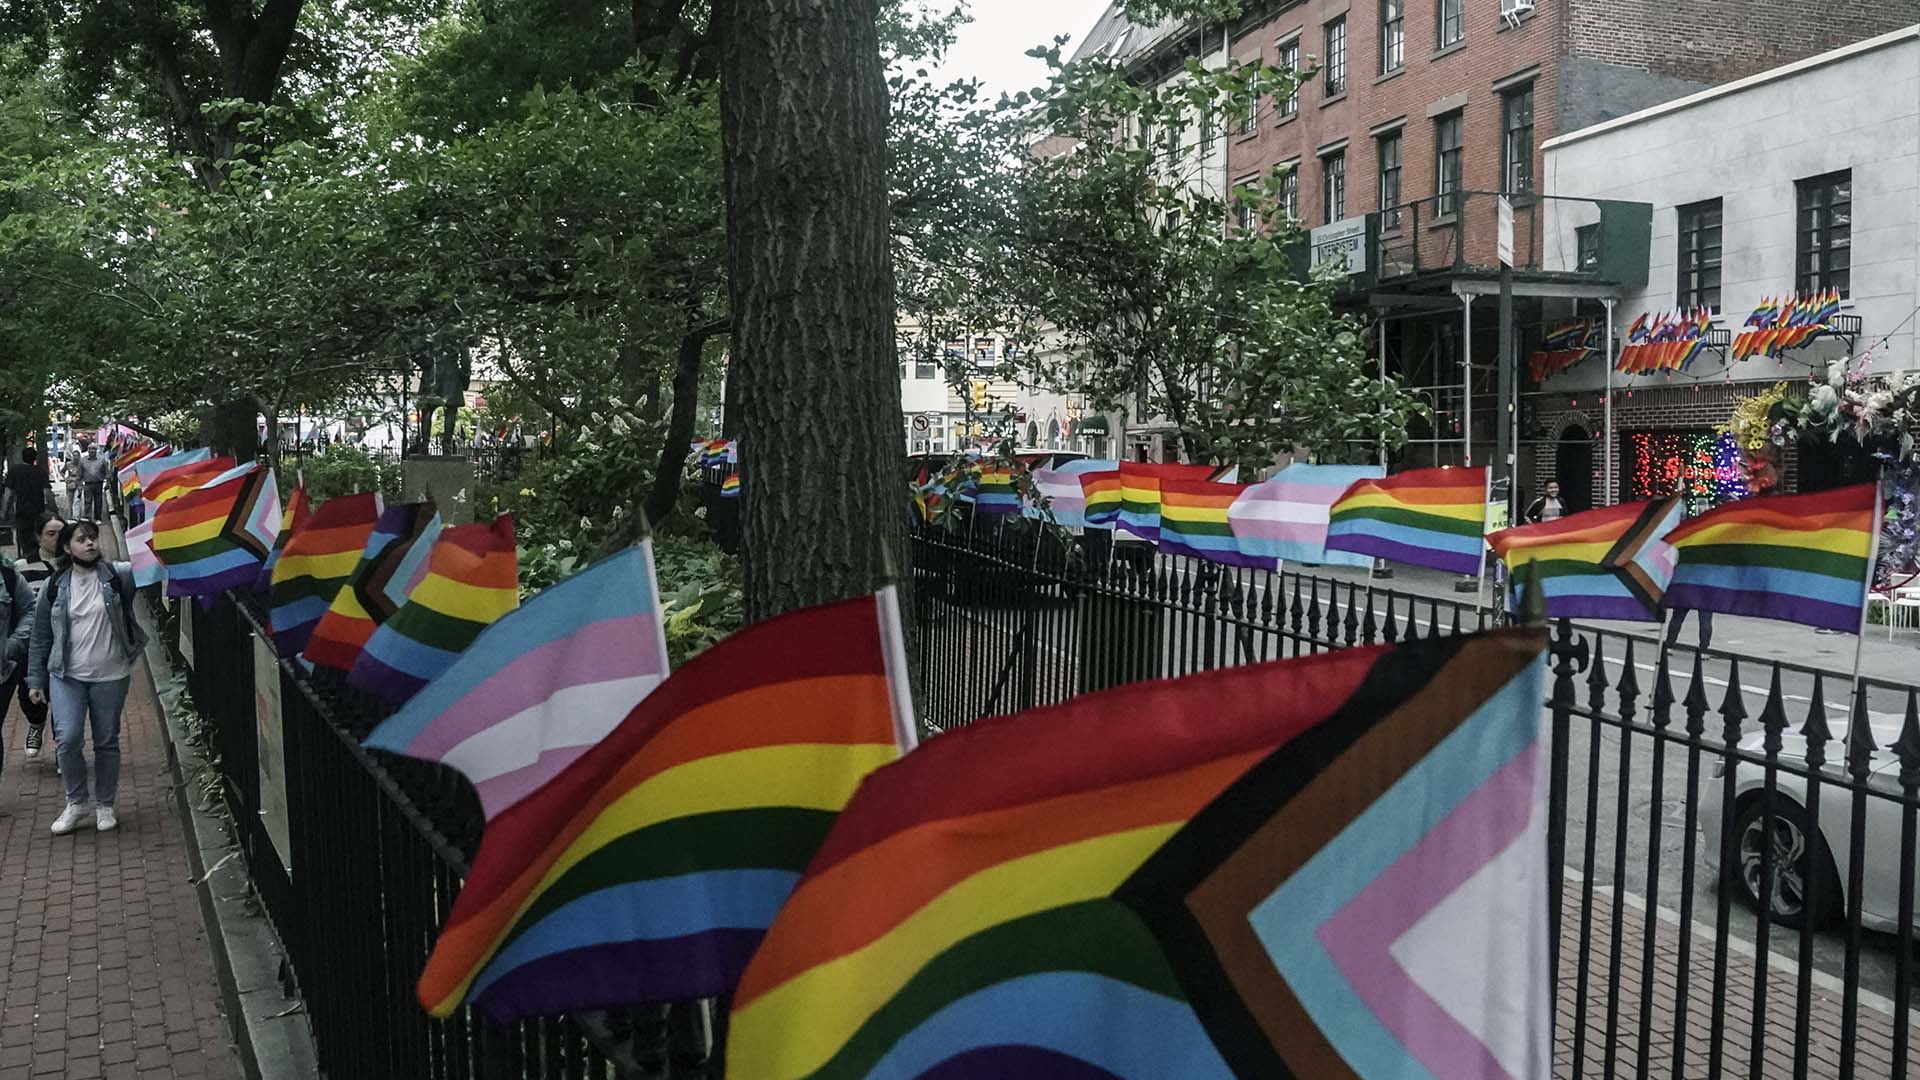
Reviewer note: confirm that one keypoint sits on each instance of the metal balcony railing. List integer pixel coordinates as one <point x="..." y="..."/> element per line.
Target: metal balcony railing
<point x="1600" y="241"/>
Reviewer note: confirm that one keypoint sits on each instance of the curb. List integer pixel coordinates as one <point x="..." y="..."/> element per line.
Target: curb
<point x="269" y="1027"/>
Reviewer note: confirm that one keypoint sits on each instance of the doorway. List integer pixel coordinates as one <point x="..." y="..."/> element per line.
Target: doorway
<point x="1573" y="467"/>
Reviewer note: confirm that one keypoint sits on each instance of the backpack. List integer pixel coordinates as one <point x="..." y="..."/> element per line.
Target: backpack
<point x="121" y="587"/>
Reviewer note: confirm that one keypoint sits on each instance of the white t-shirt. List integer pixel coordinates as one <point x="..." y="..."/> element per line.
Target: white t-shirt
<point x="92" y="655"/>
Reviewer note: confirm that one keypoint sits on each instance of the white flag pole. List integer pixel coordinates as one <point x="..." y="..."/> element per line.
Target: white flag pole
<point x="893" y="646"/>
<point x="1873" y="563"/>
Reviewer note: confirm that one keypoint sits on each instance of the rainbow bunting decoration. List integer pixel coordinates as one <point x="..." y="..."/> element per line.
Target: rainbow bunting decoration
<point x="1140" y="493"/>
<point x="650" y="868"/>
<point x="392" y="561"/>
<point x="1781" y="324"/>
<point x="180" y="479"/>
<point x="1194" y="522"/>
<point x="472" y="579"/>
<point x="316" y="564"/>
<point x="1286" y="517"/>
<point x="1796" y="558"/>
<point x="543" y="685"/>
<point x="1608" y="563"/>
<point x="714" y="453"/>
<point x="215" y="537"/>
<point x="1326" y="867"/>
<point x="1669" y="343"/>
<point x="1564" y="346"/>
<point x="730" y="487"/>
<point x="1423" y="517"/>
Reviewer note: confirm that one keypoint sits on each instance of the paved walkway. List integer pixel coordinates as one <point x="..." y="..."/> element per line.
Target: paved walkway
<point x="107" y="971"/>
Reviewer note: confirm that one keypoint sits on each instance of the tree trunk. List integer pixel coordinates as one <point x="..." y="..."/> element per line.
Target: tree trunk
<point x="232" y="427"/>
<point x="686" y="409"/>
<point x="804" y="129"/>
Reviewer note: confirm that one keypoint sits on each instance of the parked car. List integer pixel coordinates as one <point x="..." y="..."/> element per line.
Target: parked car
<point x="1798" y="857"/>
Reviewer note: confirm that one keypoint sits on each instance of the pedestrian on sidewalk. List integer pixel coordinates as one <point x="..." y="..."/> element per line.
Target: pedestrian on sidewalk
<point x="16" y="628"/>
<point x="34" y="570"/>
<point x="1679" y="615"/>
<point x="1548" y="507"/>
<point x="94" y="469"/>
<point x="27" y="489"/>
<point x="85" y="644"/>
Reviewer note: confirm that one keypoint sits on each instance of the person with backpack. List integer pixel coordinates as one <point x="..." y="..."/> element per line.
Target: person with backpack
<point x="34" y="568"/>
<point x="16" y="629"/>
<point x="80" y="662"/>
<point x="26" y="492"/>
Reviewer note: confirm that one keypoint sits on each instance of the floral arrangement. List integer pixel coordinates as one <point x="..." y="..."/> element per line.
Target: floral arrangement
<point x="1880" y="418"/>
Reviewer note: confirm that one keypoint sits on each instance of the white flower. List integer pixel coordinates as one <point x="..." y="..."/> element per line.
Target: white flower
<point x="566" y="545"/>
<point x="1837" y="374"/>
<point x="700" y="512"/>
<point x="619" y="511"/>
<point x="1823" y="399"/>
<point x="618" y="424"/>
<point x="1880" y="400"/>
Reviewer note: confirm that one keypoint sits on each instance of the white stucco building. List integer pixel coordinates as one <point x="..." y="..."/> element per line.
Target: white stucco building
<point x="1798" y="180"/>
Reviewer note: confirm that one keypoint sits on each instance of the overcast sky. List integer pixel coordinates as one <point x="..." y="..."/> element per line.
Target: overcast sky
<point x="993" y="47"/>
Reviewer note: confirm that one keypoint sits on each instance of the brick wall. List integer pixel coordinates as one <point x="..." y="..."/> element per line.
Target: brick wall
<point x="1490" y="53"/>
<point x="1718" y="41"/>
<point x="1700" y="406"/>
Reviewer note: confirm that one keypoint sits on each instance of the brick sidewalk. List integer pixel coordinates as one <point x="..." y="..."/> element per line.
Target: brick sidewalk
<point x="1874" y="1031"/>
<point x="107" y="970"/>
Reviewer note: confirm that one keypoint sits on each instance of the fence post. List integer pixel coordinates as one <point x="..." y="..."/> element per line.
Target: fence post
<point x="1569" y="653"/>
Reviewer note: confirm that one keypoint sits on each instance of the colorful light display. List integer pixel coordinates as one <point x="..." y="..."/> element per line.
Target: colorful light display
<point x="1708" y="463"/>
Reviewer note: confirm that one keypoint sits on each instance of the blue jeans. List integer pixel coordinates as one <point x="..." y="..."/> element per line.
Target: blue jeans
<point x="1706" y="627"/>
<point x="73" y="704"/>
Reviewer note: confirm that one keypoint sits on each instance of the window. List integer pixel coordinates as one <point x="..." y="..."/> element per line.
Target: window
<point x="1289" y="60"/>
<point x="1290" y="194"/>
<point x="1243" y="207"/>
<point x="1823" y="244"/>
<point x="1389" y="155"/>
<point x="923" y="365"/>
<point x="1146" y="134"/>
<point x="1333" y="187"/>
<point x="1586" y="246"/>
<point x="1516" y="149"/>
<point x="1453" y="22"/>
<point x="1446" y="165"/>
<point x="1699" y="259"/>
<point x="1172" y="223"/>
<point x="1249" y="113"/>
<point x="1336" y="57"/>
<point x="1393" y="35"/>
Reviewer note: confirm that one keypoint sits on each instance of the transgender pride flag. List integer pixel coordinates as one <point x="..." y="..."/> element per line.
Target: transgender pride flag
<point x="541" y="686"/>
<point x="1286" y="517"/>
<point x="1066" y="499"/>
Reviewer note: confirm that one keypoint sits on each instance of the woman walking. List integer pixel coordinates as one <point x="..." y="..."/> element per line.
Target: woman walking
<point x="33" y="570"/>
<point x="85" y="643"/>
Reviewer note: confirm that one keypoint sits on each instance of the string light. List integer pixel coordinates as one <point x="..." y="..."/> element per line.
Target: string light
<point x="1710" y="465"/>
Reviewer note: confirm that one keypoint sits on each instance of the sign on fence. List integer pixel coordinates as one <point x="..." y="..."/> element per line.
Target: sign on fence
<point x="270" y="736"/>
<point x="186" y="631"/>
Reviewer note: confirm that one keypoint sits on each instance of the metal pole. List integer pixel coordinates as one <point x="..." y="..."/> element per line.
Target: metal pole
<point x="1380" y="330"/>
<point x="1606" y="480"/>
<point x="1506" y="434"/>
<point x="1466" y="381"/>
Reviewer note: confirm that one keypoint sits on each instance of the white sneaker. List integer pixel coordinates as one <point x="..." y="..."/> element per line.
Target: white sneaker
<point x="70" y="818"/>
<point x="104" y="820"/>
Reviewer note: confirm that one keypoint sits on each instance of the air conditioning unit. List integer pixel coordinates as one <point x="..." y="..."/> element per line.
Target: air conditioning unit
<point x="1512" y="11"/>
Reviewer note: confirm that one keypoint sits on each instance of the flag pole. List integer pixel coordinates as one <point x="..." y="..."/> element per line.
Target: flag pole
<point x="1873" y="564"/>
<point x="1486" y="498"/>
<point x="893" y="646"/>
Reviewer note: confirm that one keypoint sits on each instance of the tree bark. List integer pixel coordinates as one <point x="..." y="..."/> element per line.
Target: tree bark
<point x="686" y="410"/>
<point x="804" y="135"/>
<point x="232" y="428"/>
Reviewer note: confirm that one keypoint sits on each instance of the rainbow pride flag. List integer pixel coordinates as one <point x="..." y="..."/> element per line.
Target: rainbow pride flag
<point x="180" y="479"/>
<point x="472" y="579"/>
<point x="1324" y="867"/>
<point x="146" y="569"/>
<point x="1194" y="522"/>
<point x="1066" y="498"/>
<point x="1140" y="493"/>
<point x="393" y="560"/>
<point x="1796" y="558"/>
<point x="543" y="685"/>
<point x="1100" y="496"/>
<point x="316" y="563"/>
<point x="149" y="468"/>
<point x="125" y="458"/>
<point x="216" y="536"/>
<point x="649" y="869"/>
<point x="1423" y="517"/>
<point x="291" y="520"/>
<point x="1285" y="518"/>
<point x="1608" y="563"/>
<point x="730" y="487"/>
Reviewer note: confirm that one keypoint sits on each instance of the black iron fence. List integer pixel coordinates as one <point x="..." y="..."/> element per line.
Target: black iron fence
<point x="1690" y="790"/>
<point x="356" y="858"/>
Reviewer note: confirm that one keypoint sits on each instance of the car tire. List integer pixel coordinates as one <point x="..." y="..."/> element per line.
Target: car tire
<point x="1811" y="862"/>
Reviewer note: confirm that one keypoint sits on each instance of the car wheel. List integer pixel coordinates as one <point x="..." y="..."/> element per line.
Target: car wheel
<point x="1800" y="862"/>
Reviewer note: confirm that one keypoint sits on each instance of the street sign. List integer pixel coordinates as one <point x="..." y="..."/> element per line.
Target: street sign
<point x="1343" y="243"/>
<point x="1506" y="232"/>
<point x="920" y="422"/>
